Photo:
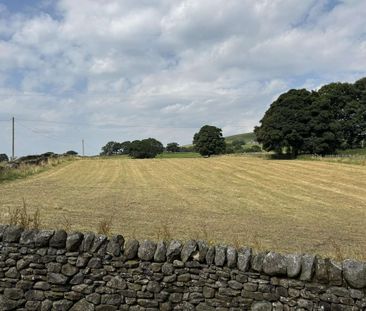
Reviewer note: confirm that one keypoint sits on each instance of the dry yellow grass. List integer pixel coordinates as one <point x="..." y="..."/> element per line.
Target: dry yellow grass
<point x="289" y="206"/>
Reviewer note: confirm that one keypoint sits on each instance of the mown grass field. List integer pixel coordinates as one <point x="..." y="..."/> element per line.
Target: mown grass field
<point x="289" y="206"/>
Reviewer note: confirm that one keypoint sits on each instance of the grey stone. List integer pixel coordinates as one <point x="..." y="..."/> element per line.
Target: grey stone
<point x="8" y="304"/>
<point x="146" y="250"/>
<point x="87" y="242"/>
<point x="220" y="255"/>
<point x="73" y="241"/>
<point x="23" y="263"/>
<point x="69" y="270"/>
<point x="188" y="249"/>
<point x="131" y="249"/>
<point x="235" y="284"/>
<point x="13" y="293"/>
<point x="275" y="264"/>
<point x="231" y="256"/>
<point x="99" y="241"/>
<point x="82" y="260"/>
<point x="77" y="279"/>
<point x="46" y="305"/>
<point x="117" y="283"/>
<point x="36" y="295"/>
<point x="204" y="307"/>
<point x="293" y="265"/>
<point x="111" y="299"/>
<point x="210" y="255"/>
<point x="28" y="237"/>
<point x="62" y="305"/>
<point x="82" y="305"/>
<point x="334" y="272"/>
<point x="173" y="250"/>
<point x="12" y="234"/>
<point x="12" y="273"/>
<point x="56" y="278"/>
<point x="160" y="253"/>
<point x="257" y="261"/>
<point x="33" y="305"/>
<point x="321" y="270"/>
<point x="261" y="306"/>
<point x="167" y="268"/>
<point x="307" y="267"/>
<point x="2" y="231"/>
<point x="42" y="285"/>
<point x="153" y="287"/>
<point x="95" y="263"/>
<point x="43" y="237"/>
<point x="94" y="298"/>
<point x="208" y="292"/>
<point x="115" y="245"/>
<point x="202" y="251"/>
<point x="244" y="258"/>
<point x="355" y="273"/>
<point x="58" y="240"/>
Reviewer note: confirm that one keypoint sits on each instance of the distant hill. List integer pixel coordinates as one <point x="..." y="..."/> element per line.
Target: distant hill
<point x="247" y="137"/>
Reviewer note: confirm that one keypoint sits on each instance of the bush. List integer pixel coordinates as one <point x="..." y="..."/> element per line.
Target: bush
<point x="4" y="157"/>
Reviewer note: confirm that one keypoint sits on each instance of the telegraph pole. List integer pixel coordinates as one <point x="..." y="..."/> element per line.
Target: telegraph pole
<point x="13" y="140"/>
<point x="82" y="143"/>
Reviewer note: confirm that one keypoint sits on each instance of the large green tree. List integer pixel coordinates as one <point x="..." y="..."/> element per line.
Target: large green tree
<point x="284" y="125"/>
<point x="146" y="148"/>
<point x="209" y="141"/>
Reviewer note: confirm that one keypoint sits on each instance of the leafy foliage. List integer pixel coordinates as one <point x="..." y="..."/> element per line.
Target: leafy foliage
<point x="209" y="141"/>
<point x="172" y="147"/>
<point x="3" y="157"/>
<point x="146" y="148"/>
<point x="111" y="148"/>
<point x="320" y="122"/>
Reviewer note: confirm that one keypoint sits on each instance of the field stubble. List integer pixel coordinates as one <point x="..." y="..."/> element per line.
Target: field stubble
<point x="289" y="206"/>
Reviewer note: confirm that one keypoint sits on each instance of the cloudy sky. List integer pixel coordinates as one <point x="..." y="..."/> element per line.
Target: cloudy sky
<point x="125" y="69"/>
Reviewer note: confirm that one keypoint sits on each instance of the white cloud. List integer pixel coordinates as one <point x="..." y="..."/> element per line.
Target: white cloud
<point x="171" y="63"/>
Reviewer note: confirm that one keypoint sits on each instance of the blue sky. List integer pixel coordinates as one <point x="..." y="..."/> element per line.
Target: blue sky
<point x="124" y="69"/>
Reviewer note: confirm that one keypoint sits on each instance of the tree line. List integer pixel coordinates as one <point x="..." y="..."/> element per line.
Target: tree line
<point x="316" y="122"/>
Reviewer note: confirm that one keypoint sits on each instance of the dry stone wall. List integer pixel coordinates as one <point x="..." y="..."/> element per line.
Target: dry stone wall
<point x="53" y="270"/>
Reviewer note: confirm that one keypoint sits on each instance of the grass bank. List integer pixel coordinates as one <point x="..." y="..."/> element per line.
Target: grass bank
<point x="26" y="170"/>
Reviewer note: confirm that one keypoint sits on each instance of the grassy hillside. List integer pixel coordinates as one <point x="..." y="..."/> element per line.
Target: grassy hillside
<point x="240" y="200"/>
<point x="247" y="137"/>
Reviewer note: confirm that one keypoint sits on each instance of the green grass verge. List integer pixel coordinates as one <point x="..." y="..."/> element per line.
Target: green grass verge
<point x="26" y="170"/>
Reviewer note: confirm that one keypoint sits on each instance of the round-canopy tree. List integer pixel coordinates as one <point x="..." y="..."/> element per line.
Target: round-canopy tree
<point x="209" y="141"/>
<point x="146" y="148"/>
<point x="172" y="147"/>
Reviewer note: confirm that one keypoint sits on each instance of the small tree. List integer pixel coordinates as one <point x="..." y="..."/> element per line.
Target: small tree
<point x="111" y="148"/>
<point x="172" y="147"/>
<point x="146" y="148"/>
<point x="209" y="141"/>
<point x="3" y="157"/>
